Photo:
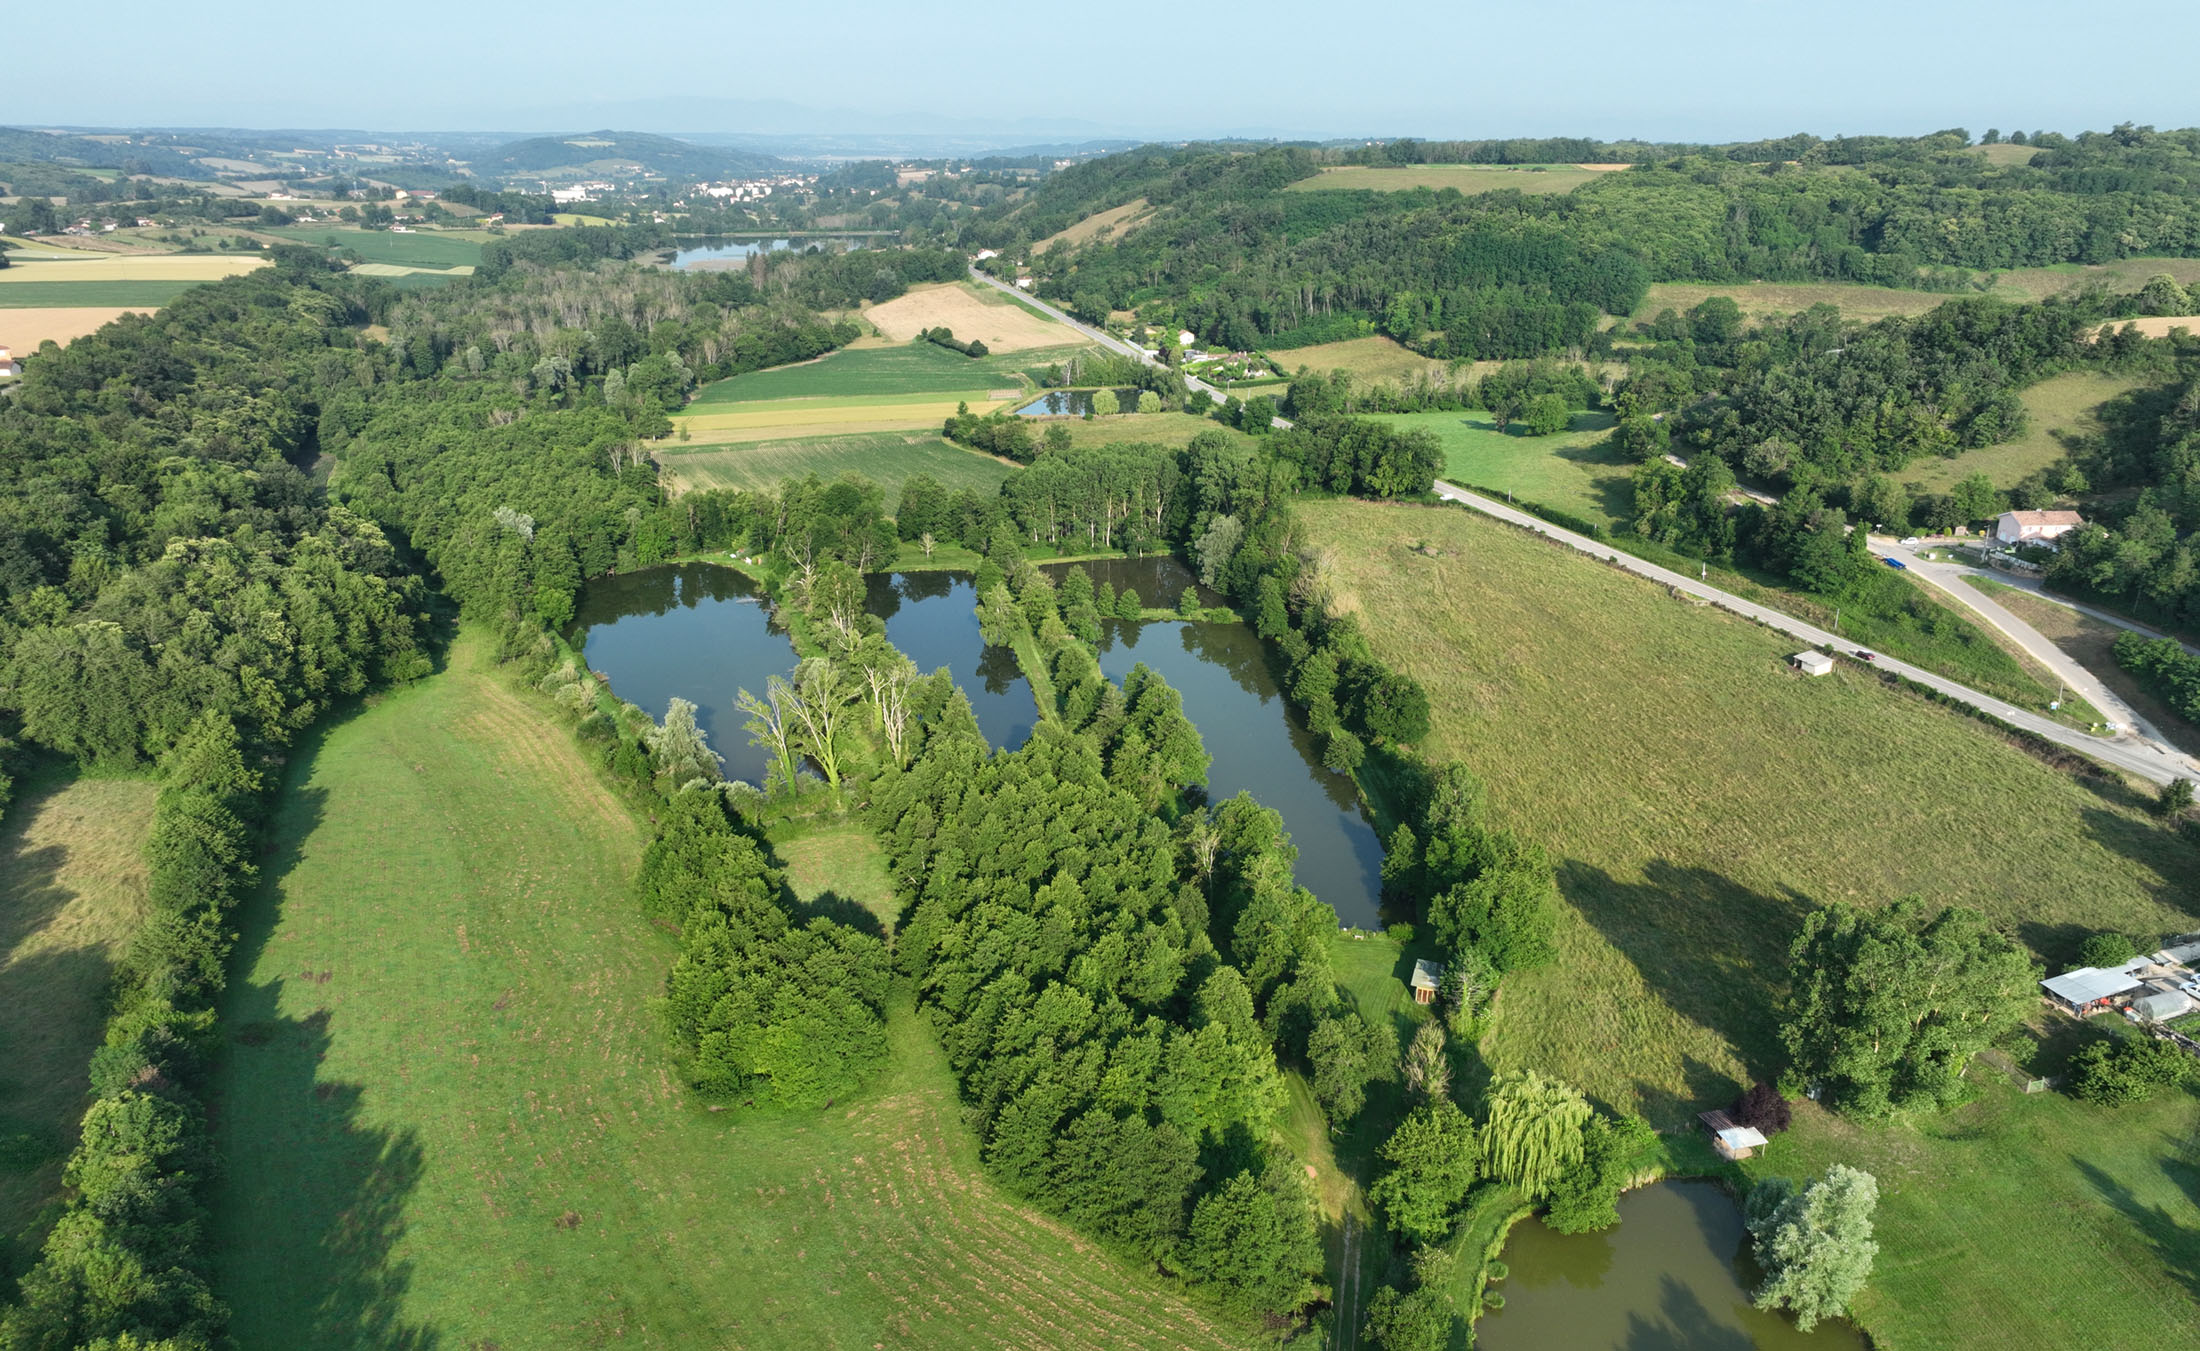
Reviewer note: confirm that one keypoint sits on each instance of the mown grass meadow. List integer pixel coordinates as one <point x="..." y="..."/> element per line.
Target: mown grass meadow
<point x="72" y="891"/>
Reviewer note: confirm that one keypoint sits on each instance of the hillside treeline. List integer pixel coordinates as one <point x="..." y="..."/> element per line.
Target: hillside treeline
<point x="1227" y="252"/>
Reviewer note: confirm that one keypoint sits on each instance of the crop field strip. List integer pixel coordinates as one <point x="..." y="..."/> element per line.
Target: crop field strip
<point x="889" y="459"/>
<point x="72" y="890"/>
<point x="862" y="372"/>
<point x="465" y="1126"/>
<point x="23" y="328"/>
<point x="442" y="249"/>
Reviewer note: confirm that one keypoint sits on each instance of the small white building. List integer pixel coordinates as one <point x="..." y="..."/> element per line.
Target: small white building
<point x="9" y="366"/>
<point x="1811" y="662"/>
<point x="1427" y="976"/>
<point x="2088" y="989"/>
<point x="984" y="254"/>
<point x="2035" y="527"/>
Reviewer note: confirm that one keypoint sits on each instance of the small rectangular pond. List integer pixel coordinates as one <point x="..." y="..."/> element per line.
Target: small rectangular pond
<point x="1074" y="403"/>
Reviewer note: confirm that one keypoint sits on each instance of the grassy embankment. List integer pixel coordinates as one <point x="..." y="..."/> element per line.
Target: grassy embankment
<point x="453" y="1115"/>
<point x="72" y="890"/>
<point x="1698" y="799"/>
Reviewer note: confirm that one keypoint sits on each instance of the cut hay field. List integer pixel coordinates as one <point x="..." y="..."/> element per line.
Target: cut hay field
<point x="24" y="328"/>
<point x="1698" y="799"/>
<point x="780" y="419"/>
<point x="1467" y="178"/>
<point x="443" y="249"/>
<point x="889" y="459"/>
<point x="72" y="890"/>
<point x="1114" y="220"/>
<point x="129" y="267"/>
<point x="1572" y="470"/>
<point x="2161" y="326"/>
<point x="1365" y="359"/>
<point x="2059" y="407"/>
<point x="1762" y="300"/>
<point x="452" y="1120"/>
<point x="118" y="281"/>
<point x="986" y="315"/>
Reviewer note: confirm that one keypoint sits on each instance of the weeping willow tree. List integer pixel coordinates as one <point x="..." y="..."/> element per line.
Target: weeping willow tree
<point x="1534" y="1132"/>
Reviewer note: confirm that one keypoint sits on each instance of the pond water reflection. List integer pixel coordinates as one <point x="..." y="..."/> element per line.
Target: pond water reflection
<point x="1664" y="1280"/>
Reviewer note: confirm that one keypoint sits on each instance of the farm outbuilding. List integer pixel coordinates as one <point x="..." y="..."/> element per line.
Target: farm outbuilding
<point x="1732" y="1140"/>
<point x="2162" y="1005"/>
<point x="1426" y="977"/>
<point x="2086" y="989"/>
<point x="1811" y="663"/>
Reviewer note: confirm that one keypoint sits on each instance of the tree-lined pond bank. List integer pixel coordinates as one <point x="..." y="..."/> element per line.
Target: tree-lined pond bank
<point x="1664" y="1279"/>
<point x="702" y="631"/>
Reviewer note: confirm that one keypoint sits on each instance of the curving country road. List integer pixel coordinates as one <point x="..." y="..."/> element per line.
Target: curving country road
<point x="2155" y="763"/>
<point x="1101" y="336"/>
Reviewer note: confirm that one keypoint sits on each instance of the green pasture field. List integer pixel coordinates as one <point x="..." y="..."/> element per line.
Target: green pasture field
<point x="889" y="459"/>
<point x="446" y="248"/>
<point x="1698" y="799"/>
<point x="1572" y="470"/>
<point x="1467" y="178"/>
<point x="1763" y="300"/>
<point x="1368" y="360"/>
<point x="2125" y="274"/>
<point x="910" y="368"/>
<point x="2021" y="1219"/>
<point x="42" y="295"/>
<point x="72" y="890"/>
<point x="2060" y="406"/>
<point x="452" y="1120"/>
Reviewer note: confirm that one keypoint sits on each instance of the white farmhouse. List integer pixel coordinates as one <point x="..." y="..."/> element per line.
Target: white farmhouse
<point x="2035" y="527"/>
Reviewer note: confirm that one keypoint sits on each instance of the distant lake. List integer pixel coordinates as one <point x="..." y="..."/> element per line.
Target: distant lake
<point x="710" y="255"/>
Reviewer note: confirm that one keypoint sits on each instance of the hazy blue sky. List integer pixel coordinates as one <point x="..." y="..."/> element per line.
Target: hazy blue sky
<point x="1693" y="69"/>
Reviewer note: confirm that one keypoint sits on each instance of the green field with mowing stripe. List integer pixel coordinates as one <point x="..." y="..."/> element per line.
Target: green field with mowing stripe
<point x="912" y="368"/>
<point x="442" y="249"/>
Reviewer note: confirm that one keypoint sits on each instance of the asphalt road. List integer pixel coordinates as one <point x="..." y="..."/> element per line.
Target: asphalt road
<point x="2155" y="763"/>
<point x="1101" y="336"/>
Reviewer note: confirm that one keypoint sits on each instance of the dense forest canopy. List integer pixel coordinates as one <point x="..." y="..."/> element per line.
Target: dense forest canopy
<point x="1223" y="248"/>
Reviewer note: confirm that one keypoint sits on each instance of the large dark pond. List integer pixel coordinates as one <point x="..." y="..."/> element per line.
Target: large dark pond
<point x="697" y="631"/>
<point x="1258" y="745"/>
<point x="933" y="618"/>
<point x="1664" y="1280"/>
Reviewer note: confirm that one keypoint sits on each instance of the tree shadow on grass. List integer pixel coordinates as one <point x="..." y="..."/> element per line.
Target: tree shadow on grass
<point x="1714" y="951"/>
<point x="310" y="1208"/>
<point x="2176" y="1246"/>
<point x="2160" y="850"/>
